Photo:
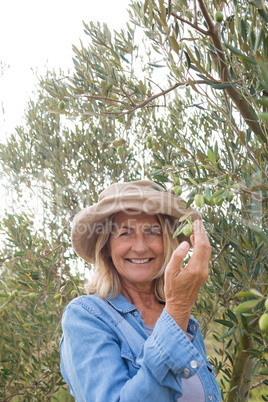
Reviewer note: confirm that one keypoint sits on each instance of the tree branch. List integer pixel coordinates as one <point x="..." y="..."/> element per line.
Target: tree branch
<point x="257" y="384"/>
<point x="99" y="97"/>
<point x="196" y="27"/>
<point x="128" y="97"/>
<point x="235" y="95"/>
<point x="61" y="270"/>
<point x="210" y="23"/>
<point x="162" y="93"/>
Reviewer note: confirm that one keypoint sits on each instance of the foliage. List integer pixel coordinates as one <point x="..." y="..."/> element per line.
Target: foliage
<point x="187" y="107"/>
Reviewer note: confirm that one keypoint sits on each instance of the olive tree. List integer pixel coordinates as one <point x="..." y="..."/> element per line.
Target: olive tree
<point x="179" y="96"/>
<point x="50" y="170"/>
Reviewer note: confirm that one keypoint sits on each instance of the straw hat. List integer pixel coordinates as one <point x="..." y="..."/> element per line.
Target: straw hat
<point x="142" y="195"/>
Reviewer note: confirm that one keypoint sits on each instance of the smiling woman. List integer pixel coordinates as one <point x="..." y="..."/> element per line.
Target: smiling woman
<point x="133" y="338"/>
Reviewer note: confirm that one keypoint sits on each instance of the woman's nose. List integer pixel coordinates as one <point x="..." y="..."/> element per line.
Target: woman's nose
<point x="139" y="244"/>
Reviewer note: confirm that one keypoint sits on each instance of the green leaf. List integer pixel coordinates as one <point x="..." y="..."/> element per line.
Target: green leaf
<point x="246" y="306"/>
<point x="156" y="65"/>
<point x="263" y="116"/>
<point x="256" y="293"/>
<point x="263" y="15"/>
<point x="157" y="188"/>
<point x="178" y="231"/>
<point x="264" y="71"/>
<point x="228" y="333"/>
<point x="174" y="44"/>
<point x="238" y="53"/>
<point x="264" y="371"/>
<point x="245" y="294"/>
<point x="146" y="3"/>
<point x="220" y="85"/>
<point x="162" y="178"/>
<point x="211" y="156"/>
<point x="232" y="316"/>
<point x="225" y="323"/>
<point x="186" y="216"/>
<point x="188" y="60"/>
<point x="218" y="193"/>
<point x="243" y="29"/>
<point x="258" y="232"/>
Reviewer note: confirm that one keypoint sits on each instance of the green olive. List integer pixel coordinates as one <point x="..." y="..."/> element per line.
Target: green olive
<point x="187" y="229"/>
<point x="32" y="296"/>
<point x="120" y="150"/>
<point x="39" y="249"/>
<point x="61" y="105"/>
<point x="149" y="138"/>
<point x="230" y="195"/>
<point x="177" y="190"/>
<point x="266" y="304"/>
<point x="149" y="145"/>
<point x="219" y="16"/>
<point x="199" y="200"/>
<point x="263" y="322"/>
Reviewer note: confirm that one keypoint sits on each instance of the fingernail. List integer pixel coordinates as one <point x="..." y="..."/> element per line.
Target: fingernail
<point x="184" y="245"/>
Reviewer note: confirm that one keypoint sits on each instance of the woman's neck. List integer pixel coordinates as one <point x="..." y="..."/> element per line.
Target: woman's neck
<point x="142" y="295"/>
<point x="145" y="301"/>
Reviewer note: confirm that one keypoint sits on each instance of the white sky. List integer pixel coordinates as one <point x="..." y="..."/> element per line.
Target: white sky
<point x="38" y="35"/>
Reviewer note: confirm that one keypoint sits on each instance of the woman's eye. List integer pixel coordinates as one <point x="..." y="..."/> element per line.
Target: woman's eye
<point x="155" y="233"/>
<point x="123" y="234"/>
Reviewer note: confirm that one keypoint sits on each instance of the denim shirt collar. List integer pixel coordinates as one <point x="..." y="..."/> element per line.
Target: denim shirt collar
<point x="121" y="304"/>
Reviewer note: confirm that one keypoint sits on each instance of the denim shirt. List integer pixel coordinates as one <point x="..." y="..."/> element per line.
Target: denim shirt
<point x="106" y="354"/>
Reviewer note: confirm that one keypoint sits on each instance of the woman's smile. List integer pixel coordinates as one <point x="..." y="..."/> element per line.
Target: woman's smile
<point x="142" y="261"/>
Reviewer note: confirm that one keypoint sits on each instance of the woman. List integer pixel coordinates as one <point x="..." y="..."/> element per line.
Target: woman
<point x="132" y="338"/>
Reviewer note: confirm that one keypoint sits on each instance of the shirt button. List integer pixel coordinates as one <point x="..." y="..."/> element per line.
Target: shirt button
<point x="192" y="327"/>
<point x="186" y="371"/>
<point x="193" y="364"/>
<point x="210" y="397"/>
<point x="136" y="313"/>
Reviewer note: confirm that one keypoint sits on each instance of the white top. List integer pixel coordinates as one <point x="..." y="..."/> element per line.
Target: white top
<point x="192" y="387"/>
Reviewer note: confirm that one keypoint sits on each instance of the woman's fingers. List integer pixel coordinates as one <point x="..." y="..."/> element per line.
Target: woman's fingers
<point x="178" y="256"/>
<point x="182" y="285"/>
<point x="192" y="240"/>
<point x="202" y="248"/>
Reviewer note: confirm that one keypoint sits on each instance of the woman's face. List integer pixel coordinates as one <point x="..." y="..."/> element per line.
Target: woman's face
<point x="136" y="247"/>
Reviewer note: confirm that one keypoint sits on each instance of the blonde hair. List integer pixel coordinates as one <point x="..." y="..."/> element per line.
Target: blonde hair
<point x="105" y="280"/>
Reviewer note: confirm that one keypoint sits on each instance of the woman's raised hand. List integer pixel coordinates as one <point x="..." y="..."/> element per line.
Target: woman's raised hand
<point x="183" y="284"/>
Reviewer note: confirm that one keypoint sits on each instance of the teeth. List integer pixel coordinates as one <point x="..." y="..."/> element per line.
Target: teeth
<point x="139" y="261"/>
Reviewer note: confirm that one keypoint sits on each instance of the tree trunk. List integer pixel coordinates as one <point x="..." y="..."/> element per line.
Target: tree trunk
<point x="247" y="381"/>
<point x="239" y="369"/>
